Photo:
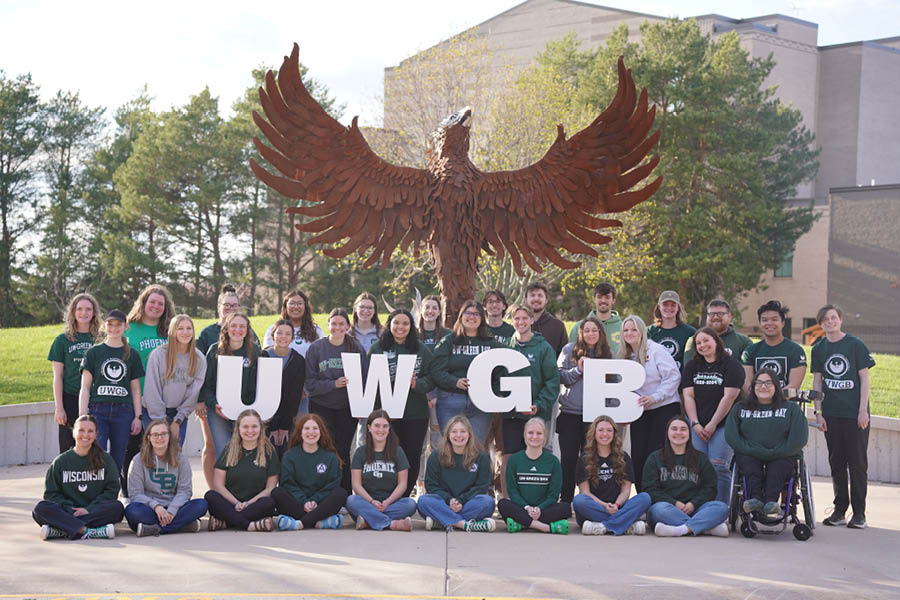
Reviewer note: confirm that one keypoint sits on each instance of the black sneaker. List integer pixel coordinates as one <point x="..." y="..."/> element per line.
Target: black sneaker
<point x="834" y="519"/>
<point x="857" y="522"/>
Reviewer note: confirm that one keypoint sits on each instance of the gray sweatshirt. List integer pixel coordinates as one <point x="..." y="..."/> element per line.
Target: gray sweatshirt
<point x="323" y="368"/>
<point x="160" y="484"/>
<point x="180" y="392"/>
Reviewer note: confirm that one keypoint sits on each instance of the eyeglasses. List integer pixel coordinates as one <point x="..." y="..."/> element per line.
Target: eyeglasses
<point x="764" y="384"/>
<point x="159" y="436"/>
<point x="716" y="314"/>
<point x="230" y="305"/>
<point x="472" y="315"/>
<point x="296" y="304"/>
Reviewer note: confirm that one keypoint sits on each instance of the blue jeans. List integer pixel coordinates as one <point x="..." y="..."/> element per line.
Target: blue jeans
<point x="450" y="404"/>
<point x="706" y="517"/>
<point x="587" y="509"/>
<point x="719" y="454"/>
<point x="220" y="428"/>
<point x="399" y="509"/>
<point x="480" y="506"/>
<point x="113" y="426"/>
<point x="182" y="430"/>
<point x="138" y="512"/>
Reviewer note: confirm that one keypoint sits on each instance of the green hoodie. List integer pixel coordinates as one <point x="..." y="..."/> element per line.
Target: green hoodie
<point x="612" y="327"/>
<point x="543" y="373"/>
<point x="766" y="433"/>
<point x="417" y="400"/>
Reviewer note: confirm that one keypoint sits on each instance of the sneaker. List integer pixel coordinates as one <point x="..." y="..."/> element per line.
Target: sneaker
<point x="52" y="533"/>
<point x="857" y="522"/>
<point x="513" y="526"/>
<point x="772" y="509"/>
<point x="484" y="525"/>
<point x="561" y="526"/>
<point x="429" y="524"/>
<point x="400" y="524"/>
<point x="593" y="528"/>
<point x="663" y="530"/>
<point x="146" y="530"/>
<point x="287" y="523"/>
<point x="192" y="527"/>
<point x="720" y="530"/>
<point x="332" y="522"/>
<point x="637" y="528"/>
<point x="344" y="511"/>
<point x="107" y="532"/>
<point x="361" y="523"/>
<point x="752" y="505"/>
<point x="834" y="519"/>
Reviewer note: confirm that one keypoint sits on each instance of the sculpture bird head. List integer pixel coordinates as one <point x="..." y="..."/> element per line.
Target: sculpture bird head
<point x="451" y="138"/>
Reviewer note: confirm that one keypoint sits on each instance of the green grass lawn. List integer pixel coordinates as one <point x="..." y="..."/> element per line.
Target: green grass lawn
<point x="25" y="374"/>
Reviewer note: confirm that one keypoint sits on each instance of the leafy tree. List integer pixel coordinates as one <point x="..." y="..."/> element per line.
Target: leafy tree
<point x="732" y="156"/>
<point x="63" y="265"/>
<point x="22" y="126"/>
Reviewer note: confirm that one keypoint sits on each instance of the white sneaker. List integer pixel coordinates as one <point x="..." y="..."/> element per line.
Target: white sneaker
<point x="637" y="528"/>
<point x="429" y="523"/>
<point x="663" y="530"/>
<point x="720" y="530"/>
<point x="593" y="528"/>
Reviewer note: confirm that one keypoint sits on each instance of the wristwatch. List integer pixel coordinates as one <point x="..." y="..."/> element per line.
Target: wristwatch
<point x="694" y="423"/>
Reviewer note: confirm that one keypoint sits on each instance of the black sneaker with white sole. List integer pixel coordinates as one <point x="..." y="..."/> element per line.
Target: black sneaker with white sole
<point x="857" y="522"/>
<point x="834" y="519"/>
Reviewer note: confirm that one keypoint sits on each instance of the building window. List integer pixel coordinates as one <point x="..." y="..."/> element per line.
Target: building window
<point x="786" y="267"/>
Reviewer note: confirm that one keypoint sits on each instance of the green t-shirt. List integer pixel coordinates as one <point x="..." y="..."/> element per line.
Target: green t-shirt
<point x="379" y="478"/>
<point x="674" y="340"/>
<point x="502" y="333"/>
<point x="246" y="479"/>
<point x="145" y="339"/>
<point x="112" y="374"/>
<point x="781" y="358"/>
<point x="69" y="353"/>
<point x="839" y="363"/>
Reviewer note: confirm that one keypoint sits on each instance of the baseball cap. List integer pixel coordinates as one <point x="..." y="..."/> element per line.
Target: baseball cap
<point x="115" y="314"/>
<point x="669" y="295"/>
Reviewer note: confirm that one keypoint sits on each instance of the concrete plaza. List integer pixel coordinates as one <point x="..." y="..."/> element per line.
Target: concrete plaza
<point x="835" y="563"/>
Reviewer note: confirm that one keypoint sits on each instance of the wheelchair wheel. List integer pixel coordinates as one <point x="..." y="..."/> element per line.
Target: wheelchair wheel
<point x="736" y="500"/>
<point x="748" y="532"/>
<point x="802" y="532"/>
<point x="809" y="507"/>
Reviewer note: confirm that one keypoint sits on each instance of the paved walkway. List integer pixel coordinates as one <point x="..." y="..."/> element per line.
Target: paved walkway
<point x="835" y="563"/>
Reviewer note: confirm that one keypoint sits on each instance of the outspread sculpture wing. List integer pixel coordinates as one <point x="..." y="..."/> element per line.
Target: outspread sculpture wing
<point x="353" y="193"/>
<point x="533" y="212"/>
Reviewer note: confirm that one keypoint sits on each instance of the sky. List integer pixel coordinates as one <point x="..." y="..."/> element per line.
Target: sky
<point x="107" y="51"/>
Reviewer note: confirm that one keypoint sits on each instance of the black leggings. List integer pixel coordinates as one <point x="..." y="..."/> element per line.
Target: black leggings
<point x="288" y="505"/>
<point x="221" y="508"/>
<point x="571" y="430"/>
<point x="648" y="434"/>
<point x="342" y="427"/>
<point x="70" y="406"/>
<point x="555" y="512"/>
<point x="412" y="437"/>
<point x="54" y="515"/>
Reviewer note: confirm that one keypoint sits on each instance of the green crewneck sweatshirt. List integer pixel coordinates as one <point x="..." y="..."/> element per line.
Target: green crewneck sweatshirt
<point x="765" y="432"/>
<point x="310" y="476"/>
<point x="533" y="482"/>
<point x="679" y="483"/>
<point x="458" y="482"/>
<point x="71" y="484"/>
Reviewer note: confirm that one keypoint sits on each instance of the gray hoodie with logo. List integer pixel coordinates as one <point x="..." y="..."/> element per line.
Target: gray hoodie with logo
<point x="161" y="483"/>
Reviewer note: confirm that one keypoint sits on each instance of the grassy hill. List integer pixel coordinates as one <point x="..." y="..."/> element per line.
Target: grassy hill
<point x="25" y="374"/>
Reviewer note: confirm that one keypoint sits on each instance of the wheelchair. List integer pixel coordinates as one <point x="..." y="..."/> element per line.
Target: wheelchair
<point x="797" y="493"/>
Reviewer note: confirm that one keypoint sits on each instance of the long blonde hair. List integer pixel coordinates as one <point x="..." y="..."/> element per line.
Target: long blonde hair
<point x="264" y="447"/>
<point x="445" y="447"/>
<point x="625" y="349"/>
<point x="172" y="345"/>
<point x="71" y="330"/>
<point x="172" y="450"/>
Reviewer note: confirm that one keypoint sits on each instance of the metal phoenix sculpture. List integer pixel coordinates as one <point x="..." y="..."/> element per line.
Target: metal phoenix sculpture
<point x="354" y="197"/>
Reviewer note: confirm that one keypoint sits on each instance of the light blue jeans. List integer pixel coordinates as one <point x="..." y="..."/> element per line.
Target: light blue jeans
<point x="399" y="509"/>
<point x="480" y="506"/>
<point x="719" y="454"/>
<point x="706" y="517"/>
<point x="587" y="509"/>
<point x="221" y="430"/>
<point x="450" y="404"/>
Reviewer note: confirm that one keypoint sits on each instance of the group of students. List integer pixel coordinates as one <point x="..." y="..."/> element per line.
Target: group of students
<point x="296" y="471"/>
